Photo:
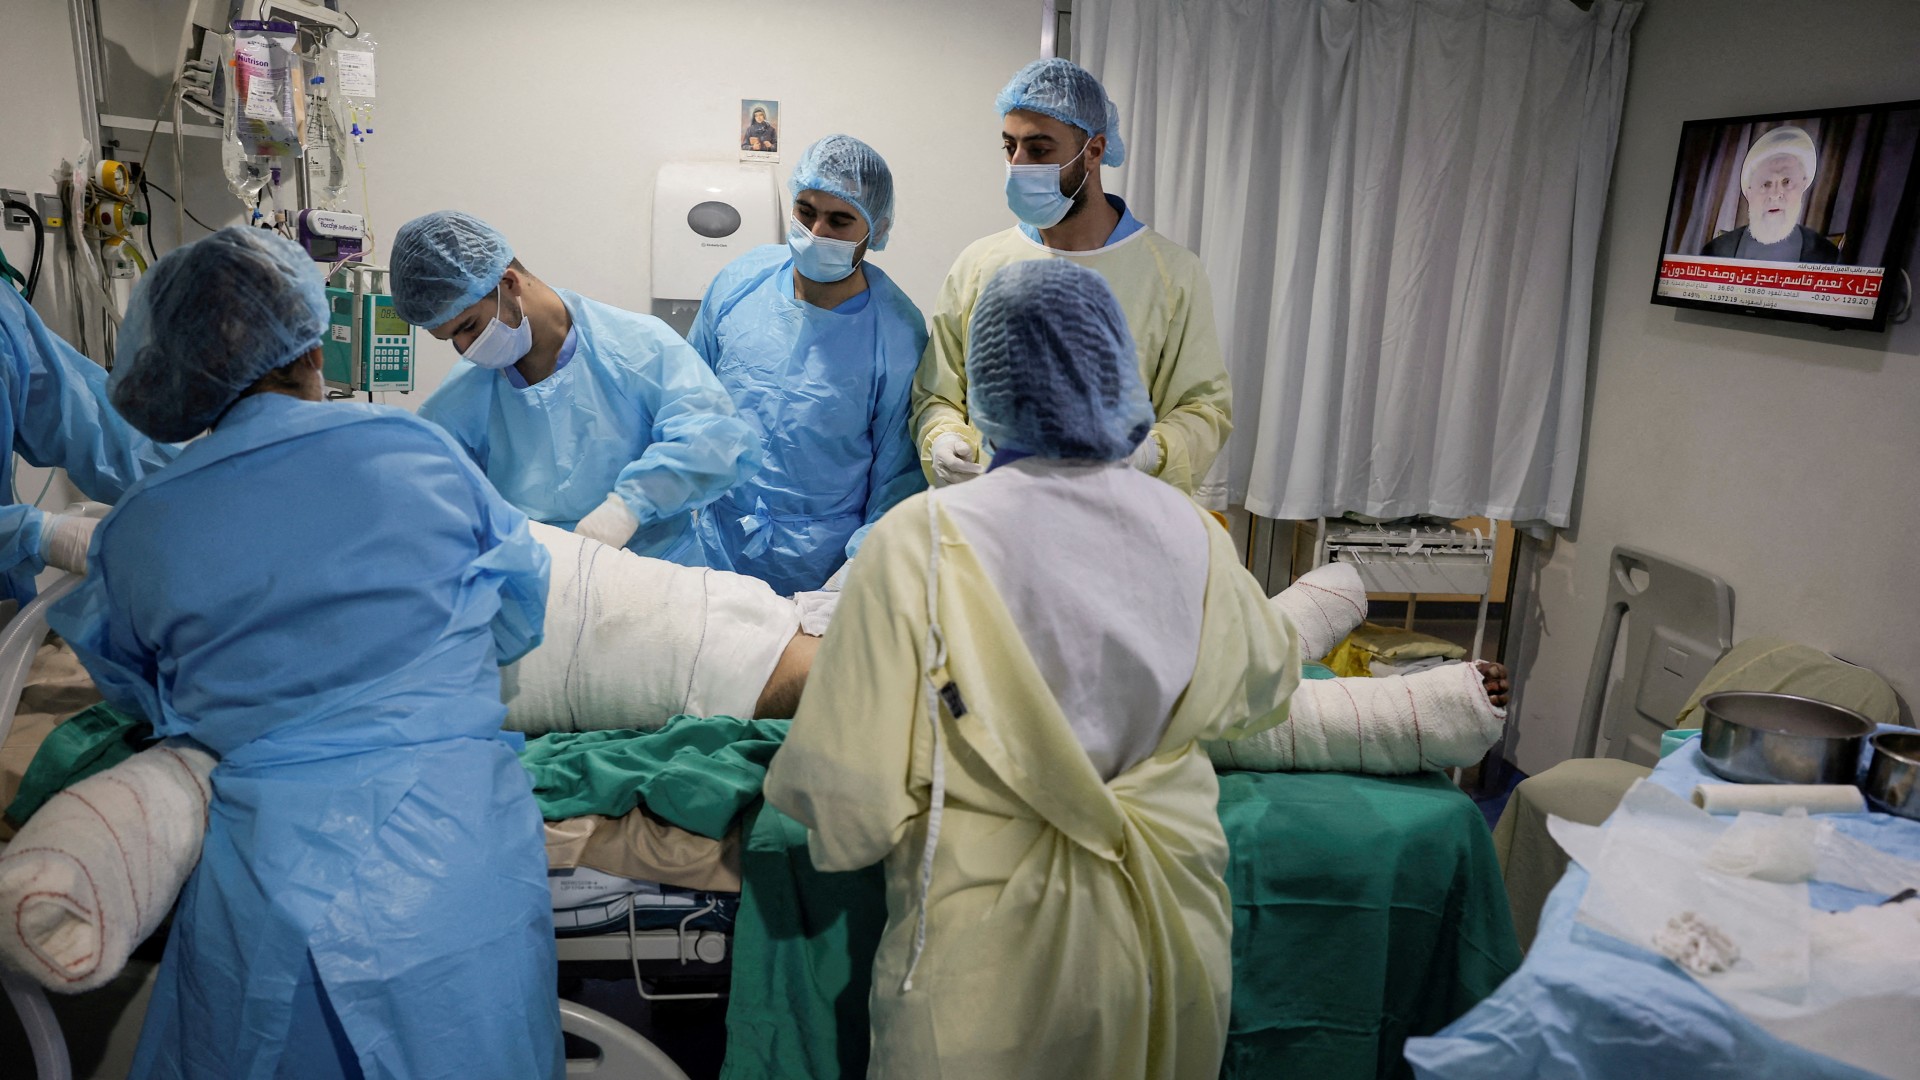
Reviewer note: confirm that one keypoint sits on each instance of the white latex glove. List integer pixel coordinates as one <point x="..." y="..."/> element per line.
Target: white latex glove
<point x="953" y="460"/>
<point x="611" y="523"/>
<point x="1146" y="456"/>
<point x="64" y="539"/>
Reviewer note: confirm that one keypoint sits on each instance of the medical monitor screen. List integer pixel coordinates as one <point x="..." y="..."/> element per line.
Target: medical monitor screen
<point x="1803" y="216"/>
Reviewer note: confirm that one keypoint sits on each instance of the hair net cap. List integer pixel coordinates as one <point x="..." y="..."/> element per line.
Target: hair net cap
<point x="1789" y="140"/>
<point x="207" y="322"/>
<point x="1051" y="366"/>
<point x="442" y="263"/>
<point x="846" y="168"/>
<point x="1070" y="94"/>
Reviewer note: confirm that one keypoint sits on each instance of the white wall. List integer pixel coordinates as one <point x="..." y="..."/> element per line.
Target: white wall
<point x="40" y="126"/>
<point x="550" y="121"/>
<point x="141" y="43"/>
<point x="1785" y="459"/>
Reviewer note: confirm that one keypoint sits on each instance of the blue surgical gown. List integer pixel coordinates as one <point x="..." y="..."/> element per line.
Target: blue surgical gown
<point x="634" y="412"/>
<point x="54" y="413"/>
<point x="321" y="594"/>
<point x="827" y="392"/>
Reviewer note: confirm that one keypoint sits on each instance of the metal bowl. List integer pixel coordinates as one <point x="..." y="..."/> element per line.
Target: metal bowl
<point x="1893" y="780"/>
<point x="1761" y="738"/>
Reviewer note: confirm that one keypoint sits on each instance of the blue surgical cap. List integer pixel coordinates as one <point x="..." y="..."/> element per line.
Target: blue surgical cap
<point x="1070" y="94"/>
<point x="442" y="263"/>
<point x="845" y="167"/>
<point x="1051" y="368"/>
<point x="206" y="322"/>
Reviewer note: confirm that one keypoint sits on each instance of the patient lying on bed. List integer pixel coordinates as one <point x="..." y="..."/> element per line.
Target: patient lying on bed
<point x="632" y="642"/>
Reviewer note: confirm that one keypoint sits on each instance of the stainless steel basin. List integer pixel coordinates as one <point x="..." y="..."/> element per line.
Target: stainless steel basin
<point x="1893" y="780"/>
<point x="1762" y="738"/>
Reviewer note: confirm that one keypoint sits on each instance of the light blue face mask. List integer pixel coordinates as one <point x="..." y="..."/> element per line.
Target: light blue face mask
<point x="1034" y="196"/>
<point x="821" y="258"/>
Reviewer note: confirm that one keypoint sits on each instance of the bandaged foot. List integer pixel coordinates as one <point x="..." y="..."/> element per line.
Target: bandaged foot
<point x="1438" y="719"/>
<point x="97" y="868"/>
<point x="1325" y="605"/>
<point x="632" y="642"/>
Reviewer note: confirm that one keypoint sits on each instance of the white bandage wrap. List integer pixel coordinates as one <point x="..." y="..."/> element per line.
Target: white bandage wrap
<point x="1439" y="719"/>
<point x="1779" y="798"/>
<point x="97" y="868"/>
<point x="1325" y="605"/>
<point x="632" y="642"/>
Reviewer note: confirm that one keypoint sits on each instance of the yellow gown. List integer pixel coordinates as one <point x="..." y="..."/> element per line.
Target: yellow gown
<point x="1074" y="927"/>
<point x="1169" y="306"/>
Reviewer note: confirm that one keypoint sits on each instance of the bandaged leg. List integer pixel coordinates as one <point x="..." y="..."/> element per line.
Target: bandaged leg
<point x="96" y="869"/>
<point x="1437" y="719"/>
<point x="632" y="642"/>
<point x="1325" y="605"/>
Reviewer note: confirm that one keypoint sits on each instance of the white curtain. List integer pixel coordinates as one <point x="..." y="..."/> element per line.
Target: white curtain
<point x="1399" y="204"/>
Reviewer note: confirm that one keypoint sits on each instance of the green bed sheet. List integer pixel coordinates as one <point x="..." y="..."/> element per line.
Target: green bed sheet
<point x="1365" y="910"/>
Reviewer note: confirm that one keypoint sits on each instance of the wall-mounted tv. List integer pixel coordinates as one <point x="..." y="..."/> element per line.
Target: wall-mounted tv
<point x="1806" y="215"/>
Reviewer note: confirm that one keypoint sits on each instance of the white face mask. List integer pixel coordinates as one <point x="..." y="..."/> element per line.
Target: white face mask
<point x="499" y="344"/>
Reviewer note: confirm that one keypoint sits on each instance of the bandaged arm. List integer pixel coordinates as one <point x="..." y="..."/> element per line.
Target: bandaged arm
<point x="1437" y="719"/>
<point x="1325" y="605"/>
<point x="97" y="868"/>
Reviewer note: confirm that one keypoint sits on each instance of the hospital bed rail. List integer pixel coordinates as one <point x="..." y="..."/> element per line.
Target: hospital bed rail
<point x="622" y="1052"/>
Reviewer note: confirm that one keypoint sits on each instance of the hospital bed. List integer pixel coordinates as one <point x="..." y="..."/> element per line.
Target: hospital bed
<point x="662" y="936"/>
<point x="1336" y="960"/>
<point x="660" y="943"/>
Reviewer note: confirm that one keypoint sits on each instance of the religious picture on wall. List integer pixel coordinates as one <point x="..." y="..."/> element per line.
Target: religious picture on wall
<point x="759" y="130"/>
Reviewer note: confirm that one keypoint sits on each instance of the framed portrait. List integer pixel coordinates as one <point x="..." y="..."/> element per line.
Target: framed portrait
<point x="759" y="130"/>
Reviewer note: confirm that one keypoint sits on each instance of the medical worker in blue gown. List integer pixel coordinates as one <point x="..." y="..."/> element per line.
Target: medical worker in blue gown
<point x="585" y="416"/>
<point x="818" y="348"/>
<point x="322" y="594"/>
<point x="54" y="413"/>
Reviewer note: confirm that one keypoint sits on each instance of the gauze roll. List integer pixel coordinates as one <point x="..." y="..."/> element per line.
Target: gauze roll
<point x="1779" y="798"/>
<point x="1437" y="719"/>
<point x="1325" y="605"/>
<point x="93" y="872"/>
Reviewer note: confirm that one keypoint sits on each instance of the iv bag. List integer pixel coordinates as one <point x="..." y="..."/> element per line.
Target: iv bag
<point x="266" y="109"/>
<point x="341" y="118"/>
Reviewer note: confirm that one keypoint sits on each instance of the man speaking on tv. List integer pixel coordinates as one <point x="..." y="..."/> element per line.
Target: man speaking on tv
<point x="1775" y="178"/>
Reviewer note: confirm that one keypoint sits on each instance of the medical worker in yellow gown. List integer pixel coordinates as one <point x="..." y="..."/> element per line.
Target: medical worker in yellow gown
<point x="1006" y="711"/>
<point x="1058" y="128"/>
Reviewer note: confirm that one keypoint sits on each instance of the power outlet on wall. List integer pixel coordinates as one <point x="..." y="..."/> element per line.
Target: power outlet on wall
<point x="52" y="214"/>
<point x="15" y="219"/>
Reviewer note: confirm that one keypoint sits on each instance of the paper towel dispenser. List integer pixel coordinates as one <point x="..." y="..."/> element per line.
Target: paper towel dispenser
<point x="705" y="215"/>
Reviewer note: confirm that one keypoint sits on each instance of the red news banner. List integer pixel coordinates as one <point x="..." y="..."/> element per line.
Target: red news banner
<point x="1851" y="291"/>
